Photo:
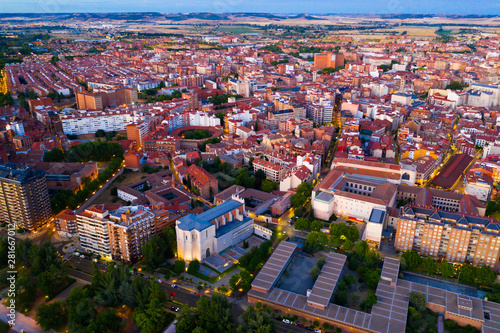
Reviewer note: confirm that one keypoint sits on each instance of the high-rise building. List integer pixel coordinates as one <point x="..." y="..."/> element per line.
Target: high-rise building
<point x="24" y="197"/>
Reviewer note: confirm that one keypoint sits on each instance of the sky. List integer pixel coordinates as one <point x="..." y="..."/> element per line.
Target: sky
<point x="464" y="7"/>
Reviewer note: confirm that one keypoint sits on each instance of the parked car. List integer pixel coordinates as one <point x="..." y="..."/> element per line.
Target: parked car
<point x="317" y="331"/>
<point x="300" y="325"/>
<point x="172" y="293"/>
<point x="159" y="281"/>
<point x="198" y="294"/>
<point x="286" y="321"/>
<point x="174" y="286"/>
<point x="4" y="231"/>
<point x="94" y="260"/>
<point x="174" y="308"/>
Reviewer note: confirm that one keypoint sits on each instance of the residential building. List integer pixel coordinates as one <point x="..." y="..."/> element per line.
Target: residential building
<point x="206" y="184"/>
<point x="452" y="236"/>
<point x="274" y="172"/>
<point x="323" y="60"/>
<point x="115" y="231"/>
<point x="24" y="197"/>
<point x="66" y="223"/>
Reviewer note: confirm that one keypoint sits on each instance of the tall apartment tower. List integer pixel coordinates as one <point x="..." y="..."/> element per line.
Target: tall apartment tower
<point x="24" y="197"/>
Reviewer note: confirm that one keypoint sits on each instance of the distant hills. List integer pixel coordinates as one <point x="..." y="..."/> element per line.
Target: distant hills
<point x="179" y="17"/>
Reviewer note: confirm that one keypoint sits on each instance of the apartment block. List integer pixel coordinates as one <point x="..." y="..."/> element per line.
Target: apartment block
<point x="115" y="232"/>
<point x="24" y="197"/>
<point x="66" y="223"/>
<point x="274" y="172"/>
<point x="103" y="98"/>
<point x="324" y="60"/>
<point x="448" y="235"/>
<point x="129" y="228"/>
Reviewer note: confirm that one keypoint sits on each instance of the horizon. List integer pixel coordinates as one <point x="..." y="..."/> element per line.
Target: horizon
<point x="313" y="7"/>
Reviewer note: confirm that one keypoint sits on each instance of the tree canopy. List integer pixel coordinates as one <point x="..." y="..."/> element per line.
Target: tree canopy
<point x="211" y="315"/>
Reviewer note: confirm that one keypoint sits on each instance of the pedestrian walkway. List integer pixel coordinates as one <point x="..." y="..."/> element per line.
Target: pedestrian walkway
<point x="22" y="322"/>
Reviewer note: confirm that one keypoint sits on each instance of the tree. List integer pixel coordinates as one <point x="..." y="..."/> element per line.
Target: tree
<point x="412" y="259"/>
<point x="268" y="185"/>
<point x="314" y="273"/>
<point x="251" y="321"/>
<point x="348" y="245"/>
<point x="153" y="251"/>
<point x="54" y="60"/>
<point x="260" y="174"/>
<point x="370" y="301"/>
<point x="54" y="155"/>
<point x="360" y="248"/>
<point x="467" y="274"/>
<point x="106" y="321"/>
<point x="429" y="265"/>
<point x="321" y="262"/>
<point x="51" y="316"/>
<point x="371" y="258"/>
<point x="485" y="275"/>
<point x="100" y="133"/>
<point x="341" y="298"/>
<point x="211" y="315"/>
<point x="304" y="191"/>
<point x="455" y="85"/>
<point x="349" y="279"/>
<point x="446" y="269"/>
<point x="233" y="281"/>
<point x="316" y="225"/>
<point x="417" y="300"/>
<point x="179" y="266"/>
<point x="302" y="224"/>
<point x="315" y="241"/>
<point x="341" y="229"/>
<point x="153" y="318"/>
<point x="193" y="267"/>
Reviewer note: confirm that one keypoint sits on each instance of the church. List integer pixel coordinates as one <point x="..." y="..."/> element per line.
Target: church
<point x="225" y="225"/>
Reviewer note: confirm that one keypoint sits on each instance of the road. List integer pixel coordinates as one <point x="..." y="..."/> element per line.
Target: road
<point x="99" y="192"/>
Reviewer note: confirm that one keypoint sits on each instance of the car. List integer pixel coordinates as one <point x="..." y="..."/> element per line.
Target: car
<point x="317" y="331"/>
<point x="310" y="328"/>
<point x="159" y="281"/>
<point x="171" y="293"/>
<point x="300" y="325"/>
<point x="174" y="308"/>
<point x="82" y="256"/>
<point x="286" y="321"/>
<point x="4" y="231"/>
<point x="94" y="260"/>
<point x="174" y="286"/>
<point x="198" y="294"/>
